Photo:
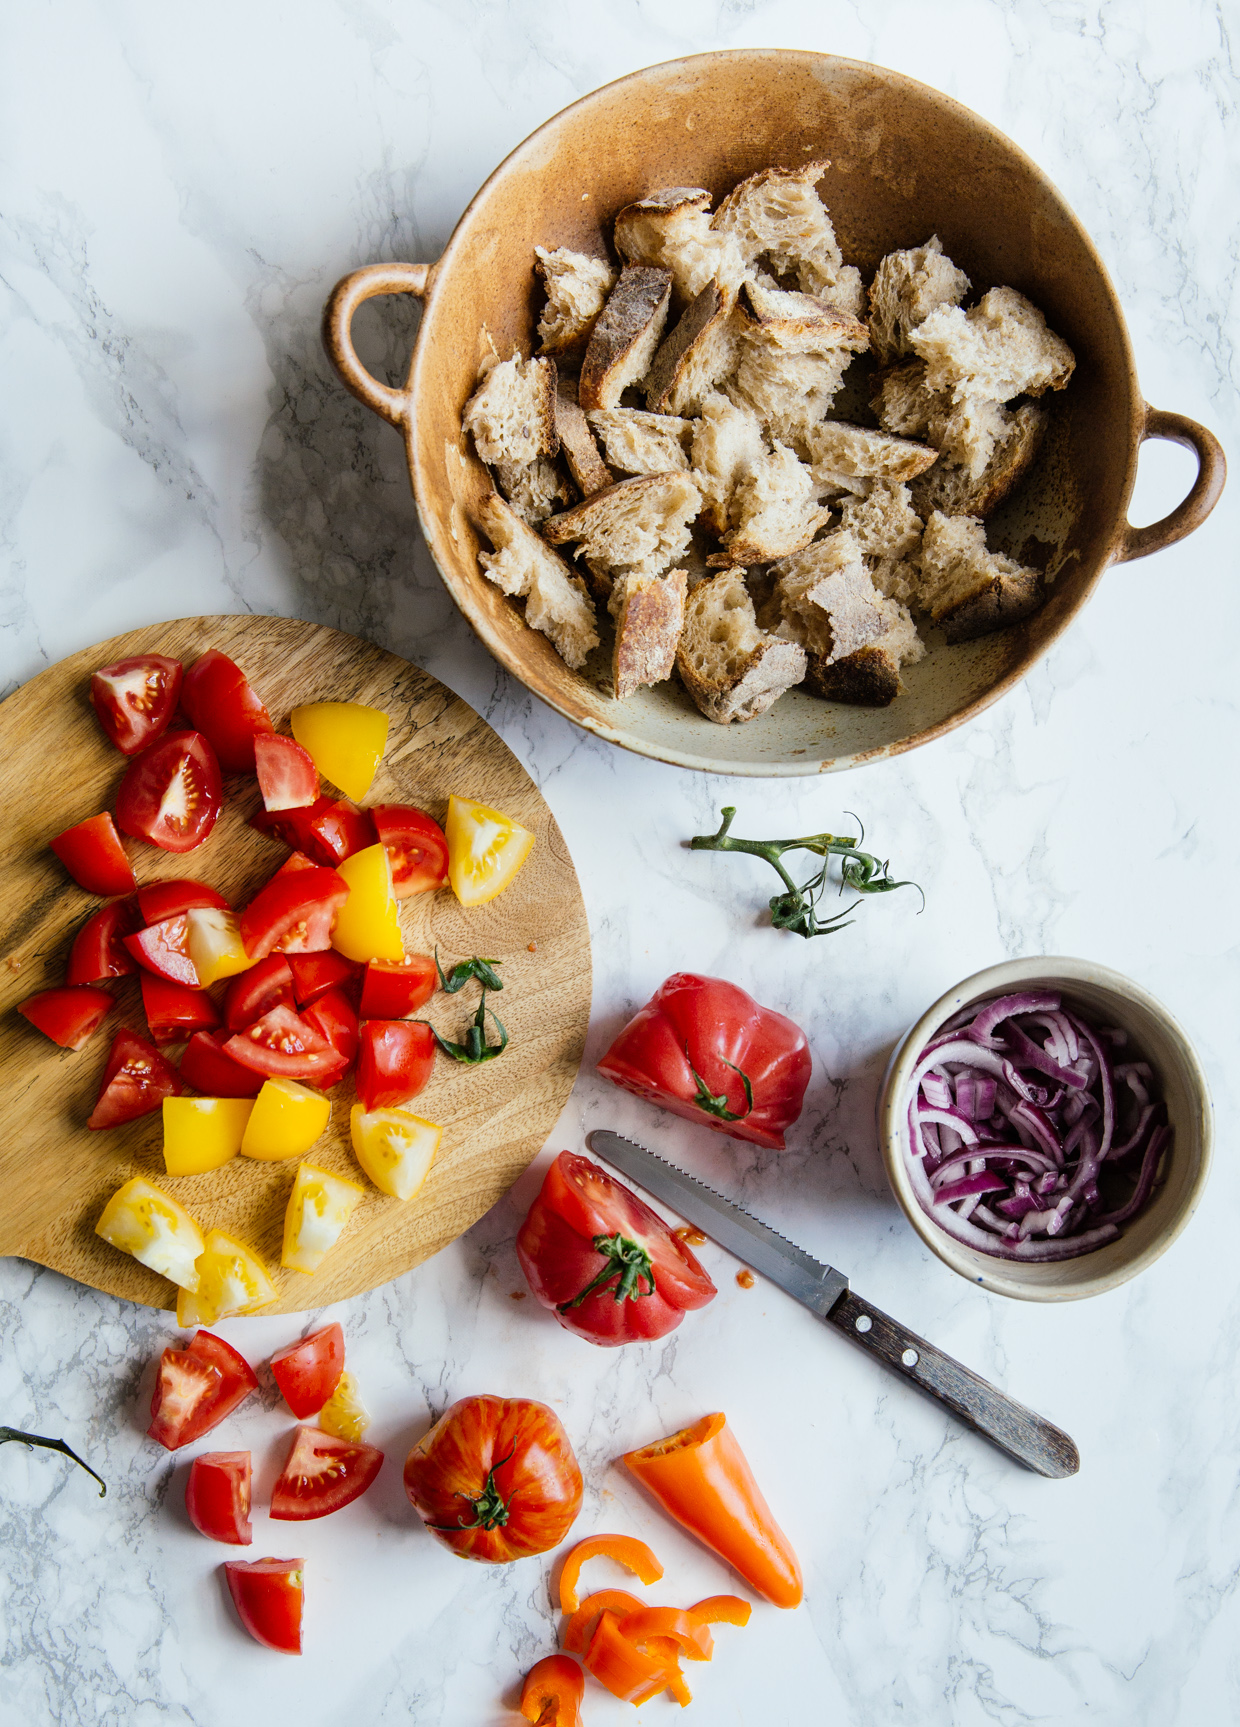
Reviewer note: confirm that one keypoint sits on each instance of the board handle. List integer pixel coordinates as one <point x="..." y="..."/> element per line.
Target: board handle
<point x="394" y="406"/>
<point x="1188" y="516"/>
<point x="1029" y="1438"/>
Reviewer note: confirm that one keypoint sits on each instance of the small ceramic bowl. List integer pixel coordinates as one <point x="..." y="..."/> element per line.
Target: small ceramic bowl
<point x="1105" y="998"/>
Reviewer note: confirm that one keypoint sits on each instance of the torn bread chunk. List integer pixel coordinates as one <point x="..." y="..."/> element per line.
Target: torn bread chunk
<point x="826" y="599"/>
<point x="1002" y="348"/>
<point x="905" y="404"/>
<point x="639" y="443"/>
<point x="777" y="216"/>
<point x="957" y="485"/>
<point x="577" y="288"/>
<point x="839" y="451"/>
<point x="534" y="489"/>
<point x="966" y="588"/>
<point x="869" y="677"/>
<point x="790" y="368"/>
<point x="806" y="322"/>
<point x="511" y="415"/>
<point x="728" y="445"/>
<point x="577" y="444"/>
<point x="637" y="527"/>
<point x="698" y="352"/>
<point x="650" y="614"/>
<point x="896" y="578"/>
<point x="524" y="566"/>
<point x="776" y="508"/>
<point x="671" y="228"/>
<point x="731" y="668"/>
<point x="907" y="287"/>
<point x="883" y="522"/>
<point x="623" y="341"/>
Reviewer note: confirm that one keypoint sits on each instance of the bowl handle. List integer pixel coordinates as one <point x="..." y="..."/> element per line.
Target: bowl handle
<point x="395" y="406"/>
<point x="1187" y="517"/>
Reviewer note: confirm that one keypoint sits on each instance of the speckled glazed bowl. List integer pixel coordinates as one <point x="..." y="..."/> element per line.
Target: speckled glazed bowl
<point x="1106" y="998"/>
<point x="906" y="162"/>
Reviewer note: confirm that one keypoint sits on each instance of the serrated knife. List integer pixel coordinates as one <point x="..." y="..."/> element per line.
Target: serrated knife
<point x="1036" y="1443"/>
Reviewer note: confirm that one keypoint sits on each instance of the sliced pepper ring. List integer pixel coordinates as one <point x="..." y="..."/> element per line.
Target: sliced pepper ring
<point x="681" y="1626"/>
<point x="580" y="1628"/>
<point x="552" y="1693"/>
<point x="626" y="1550"/>
<point x="625" y="1670"/>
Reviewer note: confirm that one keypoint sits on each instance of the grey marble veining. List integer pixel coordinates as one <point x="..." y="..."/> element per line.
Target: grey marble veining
<point x="178" y="191"/>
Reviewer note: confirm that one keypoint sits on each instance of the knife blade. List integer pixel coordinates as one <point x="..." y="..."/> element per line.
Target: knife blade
<point x="1025" y="1436"/>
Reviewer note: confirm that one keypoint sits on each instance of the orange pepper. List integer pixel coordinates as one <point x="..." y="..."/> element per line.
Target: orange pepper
<point x="701" y="1478"/>
<point x="626" y="1671"/>
<point x="552" y="1693"/>
<point x="671" y="1622"/>
<point x="577" y="1631"/>
<point x="634" y="1555"/>
<point x="722" y="1610"/>
<point x="668" y="1648"/>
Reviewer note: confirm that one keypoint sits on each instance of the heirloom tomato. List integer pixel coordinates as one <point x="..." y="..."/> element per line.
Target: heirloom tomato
<point x="164" y="899"/>
<point x="495" y="1479"/>
<point x="485" y="850"/>
<point x="416" y="845"/>
<point x="318" y="1208"/>
<point x="163" y="948"/>
<point x="346" y="740"/>
<point x="294" y="913"/>
<point x="205" y="1066"/>
<point x="394" y="1062"/>
<point x="142" y="1220"/>
<point x="202" y="1133"/>
<point x="136" y="1080"/>
<point x="368" y="923"/>
<point x="606" y="1265"/>
<point x="68" y="1015"/>
<point x="267" y="984"/>
<point x="287" y="776"/>
<point x="395" y="1148"/>
<point x="327" y="831"/>
<point x="231" y="1279"/>
<point x="285" y="1120"/>
<point x="173" y="1011"/>
<point x="322" y="1474"/>
<point x="98" y="947"/>
<point x="282" y="1045"/>
<point x="397" y="989"/>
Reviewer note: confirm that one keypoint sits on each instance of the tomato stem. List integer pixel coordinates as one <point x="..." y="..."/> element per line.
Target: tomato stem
<point x="627" y="1261"/>
<point x="33" y="1439"/>
<point x="796" y="909"/>
<point x="490" y="1507"/>
<point x="475" y="1048"/>
<point x="461" y="973"/>
<point x="718" y="1106"/>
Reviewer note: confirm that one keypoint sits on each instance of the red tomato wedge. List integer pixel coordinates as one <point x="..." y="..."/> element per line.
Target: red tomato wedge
<point x="171" y="794"/>
<point x="395" y="989"/>
<point x="217" y="1496"/>
<point x="255" y="992"/>
<point x="221" y="704"/>
<point x="98" y="947"/>
<point x="135" y="699"/>
<point x="293" y="913"/>
<point x="287" y="776"/>
<point x="332" y="1015"/>
<point x="309" y="1370"/>
<point x="394" y="1062"/>
<point x="328" y="830"/>
<point x="205" y="1066"/>
<point x="415" y="845"/>
<point x="322" y="1474"/>
<point x="268" y="1595"/>
<point x="282" y="1045"/>
<point x="136" y="1081"/>
<point x="173" y="1012"/>
<point x="315" y="973"/>
<point x="94" y="856"/>
<point x="164" y="899"/>
<point x="196" y="1388"/>
<point x="163" y="948"/>
<point x="68" y="1016"/>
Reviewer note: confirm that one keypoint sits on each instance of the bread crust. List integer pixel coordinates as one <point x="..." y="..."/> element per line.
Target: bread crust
<point x="577" y="441"/>
<point x="649" y="619"/>
<point x="949" y="488"/>
<point x="869" y="678"/>
<point x="630" y="322"/>
<point x="686" y="346"/>
<point x="1008" y="598"/>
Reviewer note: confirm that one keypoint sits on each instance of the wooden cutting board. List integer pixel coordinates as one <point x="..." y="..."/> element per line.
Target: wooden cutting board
<point x="57" y="768"/>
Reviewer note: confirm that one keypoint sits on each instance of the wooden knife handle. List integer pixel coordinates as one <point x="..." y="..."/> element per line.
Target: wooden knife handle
<point x="1036" y="1443"/>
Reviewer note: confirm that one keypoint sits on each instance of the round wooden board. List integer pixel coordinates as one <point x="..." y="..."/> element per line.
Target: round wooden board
<point x="57" y="768"/>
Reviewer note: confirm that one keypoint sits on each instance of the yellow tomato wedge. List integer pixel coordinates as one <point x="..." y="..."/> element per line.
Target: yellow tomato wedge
<point x="318" y="1208"/>
<point x="201" y="1133"/>
<point x="286" y="1118"/>
<point x="395" y="1148"/>
<point x="143" y="1220"/>
<point x="368" y="923"/>
<point x="231" y="1279"/>
<point x="215" y="945"/>
<point x="346" y="740"/>
<point x="344" y="1414"/>
<point x="485" y="850"/>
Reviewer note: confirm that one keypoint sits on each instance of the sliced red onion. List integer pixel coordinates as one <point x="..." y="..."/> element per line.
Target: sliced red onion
<point x="1022" y="1051"/>
<point x="995" y="1012"/>
<point x="1029" y="1116"/>
<point x="950" y="1118"/>
<point x="937" y="1091"/>
<point x="970" y="1184"/>
<point x="1159" y="1140"/>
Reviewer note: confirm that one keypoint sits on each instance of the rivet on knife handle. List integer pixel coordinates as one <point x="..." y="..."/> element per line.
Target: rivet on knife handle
<point x="1027" y="1437"/>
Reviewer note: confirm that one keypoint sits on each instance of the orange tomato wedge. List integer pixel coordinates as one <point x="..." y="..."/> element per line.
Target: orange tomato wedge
<point x="626" y="1550"/>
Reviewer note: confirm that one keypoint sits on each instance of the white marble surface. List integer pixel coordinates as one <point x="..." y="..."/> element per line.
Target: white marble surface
<point x="178" y="190"/>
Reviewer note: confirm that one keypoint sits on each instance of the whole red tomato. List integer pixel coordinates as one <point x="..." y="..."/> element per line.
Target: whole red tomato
<point x="495" y="1479"/>
<point x="705" y="1050"/>
<point x="606" y="1265"/>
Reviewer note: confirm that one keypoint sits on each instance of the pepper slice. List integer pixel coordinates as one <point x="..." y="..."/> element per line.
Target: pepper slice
<point x="700" y="1477"/>
<point x="626" y="1671"/>
<point x="552" y="1693"/>
<point x="580" y="1628"/>
<point x="678" y="1625"/>
<point x="722" y="1610"/>
<point x="626" y="1550"/>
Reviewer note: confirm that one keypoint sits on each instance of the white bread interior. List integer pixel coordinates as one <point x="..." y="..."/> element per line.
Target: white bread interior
<point x="637" y="527"/>
<point x="778" y="218"/>
<point x="1002" y="348"/>
<point x="826" y="599"/>
<point x="671" y="228"/>
<point x="907" y="287"/>
<point x="775" y="508"/>
<point x="524" y="566"/>
<point x="511" y="415"/>
<point x="635" y="442"/>
<point x="728" y="444"/>
<point x="733" y="670"/>
<point x="577" y="288"/>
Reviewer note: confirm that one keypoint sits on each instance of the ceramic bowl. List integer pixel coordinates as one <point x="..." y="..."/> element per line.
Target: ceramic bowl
<point x="1105" y="998"/>
<point x="906" y="162"/>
